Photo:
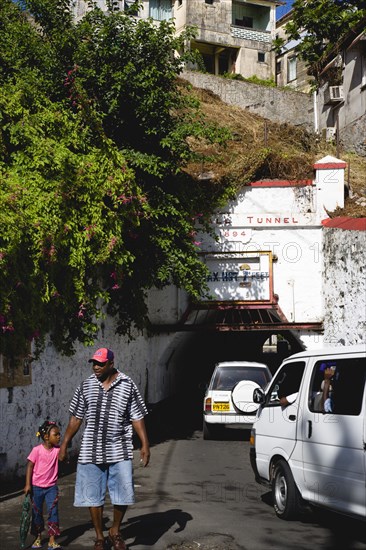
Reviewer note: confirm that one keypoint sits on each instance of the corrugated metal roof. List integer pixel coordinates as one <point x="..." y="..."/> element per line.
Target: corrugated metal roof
<point x="222" y="317"/>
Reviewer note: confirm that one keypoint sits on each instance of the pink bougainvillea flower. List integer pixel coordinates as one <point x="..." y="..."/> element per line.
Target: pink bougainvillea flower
<point x="112" y="243"/>
<point x="81" y="311"/>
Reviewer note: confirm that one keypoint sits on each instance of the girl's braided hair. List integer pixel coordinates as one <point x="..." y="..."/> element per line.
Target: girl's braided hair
<point x="45" y="428"/>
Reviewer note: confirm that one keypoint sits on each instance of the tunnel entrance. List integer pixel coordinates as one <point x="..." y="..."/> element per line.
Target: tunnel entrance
<point x="208" y="334"/>
<point x="200" y="351"/>
<point x="191" y="365"/>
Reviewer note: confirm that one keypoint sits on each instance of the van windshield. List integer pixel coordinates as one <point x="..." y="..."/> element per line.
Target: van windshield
<point x="227" y="377"/>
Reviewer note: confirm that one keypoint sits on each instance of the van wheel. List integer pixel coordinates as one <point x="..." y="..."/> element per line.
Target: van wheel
<point x="286" y="496"/>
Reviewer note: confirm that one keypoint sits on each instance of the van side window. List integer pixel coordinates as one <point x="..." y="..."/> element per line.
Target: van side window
<point x="346" y="387"/>
<point x="286" y="382"/>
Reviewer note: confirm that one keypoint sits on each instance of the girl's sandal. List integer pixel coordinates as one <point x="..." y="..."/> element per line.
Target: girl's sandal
<point x="54" y="546"/>
<point x="37" y="543"/>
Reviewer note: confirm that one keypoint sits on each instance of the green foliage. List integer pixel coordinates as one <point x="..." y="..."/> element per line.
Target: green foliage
<point x="269" y="82"/>
<point x="234" y="76"/>
<point x="95" y="205"/>
<point x="325" y="22"/>
<point x="277" y="44"/>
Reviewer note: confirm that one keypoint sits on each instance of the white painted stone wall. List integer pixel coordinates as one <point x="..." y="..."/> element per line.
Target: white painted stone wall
<point x="149" y="361"/>
<point x="344" y="279"/>
<point x="54" y="379"/>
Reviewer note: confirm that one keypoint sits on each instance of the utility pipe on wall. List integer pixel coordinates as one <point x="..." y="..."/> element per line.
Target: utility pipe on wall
<point x="316" y="122"/>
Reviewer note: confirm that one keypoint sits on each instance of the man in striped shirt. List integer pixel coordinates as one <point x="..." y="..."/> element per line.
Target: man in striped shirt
<point x="112" y="407"/>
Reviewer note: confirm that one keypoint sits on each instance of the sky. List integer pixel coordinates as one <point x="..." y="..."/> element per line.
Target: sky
<point x="282" y="10"/>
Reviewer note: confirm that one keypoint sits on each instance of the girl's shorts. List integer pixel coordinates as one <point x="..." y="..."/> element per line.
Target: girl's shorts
<point x="92" y="481"/>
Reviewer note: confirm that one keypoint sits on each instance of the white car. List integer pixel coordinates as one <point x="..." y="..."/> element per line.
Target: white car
<point x="229" y="396"/>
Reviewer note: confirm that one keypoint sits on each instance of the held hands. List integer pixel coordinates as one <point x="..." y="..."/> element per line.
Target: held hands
<point x="62" y="455"/>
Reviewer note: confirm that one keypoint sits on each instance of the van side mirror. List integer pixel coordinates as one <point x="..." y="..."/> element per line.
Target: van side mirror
<point x="259" y="396"/>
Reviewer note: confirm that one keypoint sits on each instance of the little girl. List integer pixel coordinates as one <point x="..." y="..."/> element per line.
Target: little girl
<point x="41" y="483"/>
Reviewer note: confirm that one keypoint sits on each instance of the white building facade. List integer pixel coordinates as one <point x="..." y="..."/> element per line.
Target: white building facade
<point x="233" y="36"/>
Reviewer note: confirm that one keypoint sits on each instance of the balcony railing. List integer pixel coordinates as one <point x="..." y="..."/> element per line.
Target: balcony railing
<point x="246" y="33"/>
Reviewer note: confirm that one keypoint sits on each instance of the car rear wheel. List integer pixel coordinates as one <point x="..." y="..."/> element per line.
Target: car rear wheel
<point x="286" y="496"/>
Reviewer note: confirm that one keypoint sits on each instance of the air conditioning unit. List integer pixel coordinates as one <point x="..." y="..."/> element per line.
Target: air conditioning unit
<point x="334" y="94"/>
<point x="329" y="133"/>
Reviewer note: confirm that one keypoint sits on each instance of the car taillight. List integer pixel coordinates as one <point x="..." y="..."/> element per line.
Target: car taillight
<point x="208" y="404"/>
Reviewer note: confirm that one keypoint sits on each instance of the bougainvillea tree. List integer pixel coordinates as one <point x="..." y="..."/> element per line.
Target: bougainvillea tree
<point x="96" y="207"/>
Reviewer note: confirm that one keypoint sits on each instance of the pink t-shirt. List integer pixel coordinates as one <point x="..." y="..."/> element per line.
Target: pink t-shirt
<point x="45" y="470"/>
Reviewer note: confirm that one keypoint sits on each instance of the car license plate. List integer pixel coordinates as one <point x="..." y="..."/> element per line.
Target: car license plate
<point x="221" y="407"/>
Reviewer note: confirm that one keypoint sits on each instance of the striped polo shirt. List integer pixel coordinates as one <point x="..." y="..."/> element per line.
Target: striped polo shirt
<point x="108" y="414"/>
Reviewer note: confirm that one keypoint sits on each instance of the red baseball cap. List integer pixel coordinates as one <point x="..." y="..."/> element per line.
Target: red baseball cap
<point x="102" y="355"/>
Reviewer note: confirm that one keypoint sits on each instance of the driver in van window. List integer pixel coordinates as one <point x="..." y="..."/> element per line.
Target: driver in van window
<point x="289" y="389"/>
<point x="286" y="386"/>
<point x="288" y="399"/>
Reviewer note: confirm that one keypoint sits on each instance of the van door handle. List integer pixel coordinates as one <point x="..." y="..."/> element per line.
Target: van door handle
<point x="310" y="428"/>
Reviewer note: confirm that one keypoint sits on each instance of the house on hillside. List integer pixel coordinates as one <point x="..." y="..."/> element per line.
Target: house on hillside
<point x="291" y="70"/>
<point x="342" y="92"/>
<point x="233" y="36"/>
<point x="340" y="101"/>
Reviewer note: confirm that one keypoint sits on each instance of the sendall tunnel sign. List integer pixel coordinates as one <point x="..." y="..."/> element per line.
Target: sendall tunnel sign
<point x="239" y="276"/>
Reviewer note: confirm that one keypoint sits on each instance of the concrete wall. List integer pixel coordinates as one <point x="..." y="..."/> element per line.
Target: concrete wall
<point x="344" y="279"/>
<point x="151" y="362"/>
<point x="282" y="106"/>
<point x="353" y="136"/>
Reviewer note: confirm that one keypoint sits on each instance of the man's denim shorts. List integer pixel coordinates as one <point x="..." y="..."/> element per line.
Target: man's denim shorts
<point x="92" y="481"/>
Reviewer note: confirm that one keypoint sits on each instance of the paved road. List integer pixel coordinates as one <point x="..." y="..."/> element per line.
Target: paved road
<point x="196" y="495"/>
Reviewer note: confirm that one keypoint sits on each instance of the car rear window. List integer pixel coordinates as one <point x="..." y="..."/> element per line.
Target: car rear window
<point x="227" y="377"/>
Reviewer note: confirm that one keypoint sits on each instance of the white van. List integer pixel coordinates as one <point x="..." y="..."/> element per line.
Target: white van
<point x="306" y="454"/>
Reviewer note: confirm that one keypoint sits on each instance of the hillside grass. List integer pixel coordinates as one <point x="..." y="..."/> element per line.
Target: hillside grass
<point x="260" y="149"/>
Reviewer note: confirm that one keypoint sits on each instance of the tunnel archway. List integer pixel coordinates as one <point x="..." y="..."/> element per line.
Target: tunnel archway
<point x="196" y="354"/>
<point x="190" y="362"/>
